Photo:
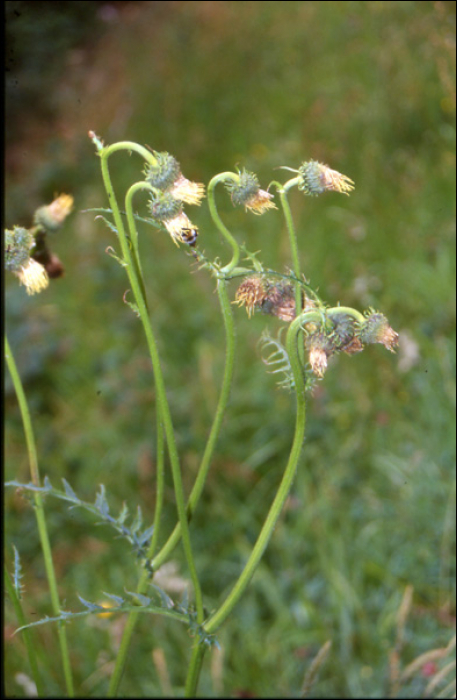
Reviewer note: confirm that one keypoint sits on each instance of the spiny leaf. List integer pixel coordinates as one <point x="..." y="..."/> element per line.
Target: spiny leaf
<point x="143" y="600"/>
<point x="110" y="225"/>
<point x="138" y="521"/>
<point x="166" y="600"/>
<point x="90" y="606"/>
<point x="100" y="509"/>
<point x="100" y="501"/>
<point x="123" y="514"/>
<point x="117" y="599"/>
<point x="145" y="536"/>
<point x="69" y="492"/>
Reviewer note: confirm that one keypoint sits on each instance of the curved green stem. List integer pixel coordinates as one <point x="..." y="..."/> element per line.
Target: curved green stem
<point x="215" y="428"/>
<point x="40" y="515"/>
<point x="218" y="617"/>
<point x="162" y="402"/>
<point x="214" y="622"/>
<point x="223" y="177"/>
<point x="345" y="311"/>
<point x="128" y="146"/>
<point x="282" y="191"/>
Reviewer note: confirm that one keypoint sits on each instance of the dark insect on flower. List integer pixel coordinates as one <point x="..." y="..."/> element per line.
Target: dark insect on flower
<point x="189" y="235"/>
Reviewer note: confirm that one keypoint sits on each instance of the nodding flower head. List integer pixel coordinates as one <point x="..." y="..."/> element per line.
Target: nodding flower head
<point x="181" y="229"/>
<point x="33" y="276"/>
<point x="251" y="293"/>
<point x="344" y="334"/>
<point x="168" y="211"/>
<point x="376" y="329"/>
<point x="166" y="175"/>
<point x="164" y="206"/>
<point x="187" y="191"/>
<point x="246" y="192"/>
<point x="52" y="216"/>
<point x="320" y="348"/>
<point x="276" y="299"/>
<point x="280" y="302"/>
<point x="18" y="243"/>
<point x="316" y="178"/>
<point x="31" y="273"/>
<point x="164" y="172"/>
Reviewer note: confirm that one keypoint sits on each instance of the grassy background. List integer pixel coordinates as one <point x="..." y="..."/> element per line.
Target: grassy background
<point x="367" y="87"/>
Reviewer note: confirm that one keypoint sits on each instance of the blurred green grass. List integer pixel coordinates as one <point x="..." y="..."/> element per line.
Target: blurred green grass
<point x="367" y="88"/>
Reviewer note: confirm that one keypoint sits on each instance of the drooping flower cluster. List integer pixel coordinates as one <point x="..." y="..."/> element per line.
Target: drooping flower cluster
<point x="328" y="332"/>
<point x="342" y="332"/>
<point x="245" y="191"/>
<point x="18" y="244"/>
<point x="172" y="191"/>
<point x="26" y="250"/>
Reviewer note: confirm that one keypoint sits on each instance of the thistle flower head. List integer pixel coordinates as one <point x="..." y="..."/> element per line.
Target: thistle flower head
<point x="280" y="302"/>
<point x="320" y="348"/>
<point x="163" y="206"/>
<point x="181" y="229"/>
<point x="246" y="192"/>
<point x="166" y="175"/>
<point x="164" y="172"/>
<point x="318" y="361"/>
<point x="18" y="243"/>
<point x="33" y="276"/>
<point x="316" y="178"/>
<point x="186" y="191"/>
<point x="251" y="293"/>
<point x="344" y="333"/>
<point x="376" y="329"/>
<point x="52" y="216"/>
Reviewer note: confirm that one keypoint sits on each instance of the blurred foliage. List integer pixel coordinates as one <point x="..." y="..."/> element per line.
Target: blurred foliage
<point x="367" y="87"/>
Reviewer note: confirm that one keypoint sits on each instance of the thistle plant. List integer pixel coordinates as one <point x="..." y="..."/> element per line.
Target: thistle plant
<point x="313" y="332"/>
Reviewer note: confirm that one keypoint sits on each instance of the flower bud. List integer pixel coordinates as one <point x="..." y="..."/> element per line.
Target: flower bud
<point x="52" y="216"/>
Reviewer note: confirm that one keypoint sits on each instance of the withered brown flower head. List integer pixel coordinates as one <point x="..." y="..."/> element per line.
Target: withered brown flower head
<point x="251" y="293"/>
<point x="320" y="348"/>
<point x="318" y="361"/>
<point x="280" y="302"/>
<point x="376" y="329"/>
